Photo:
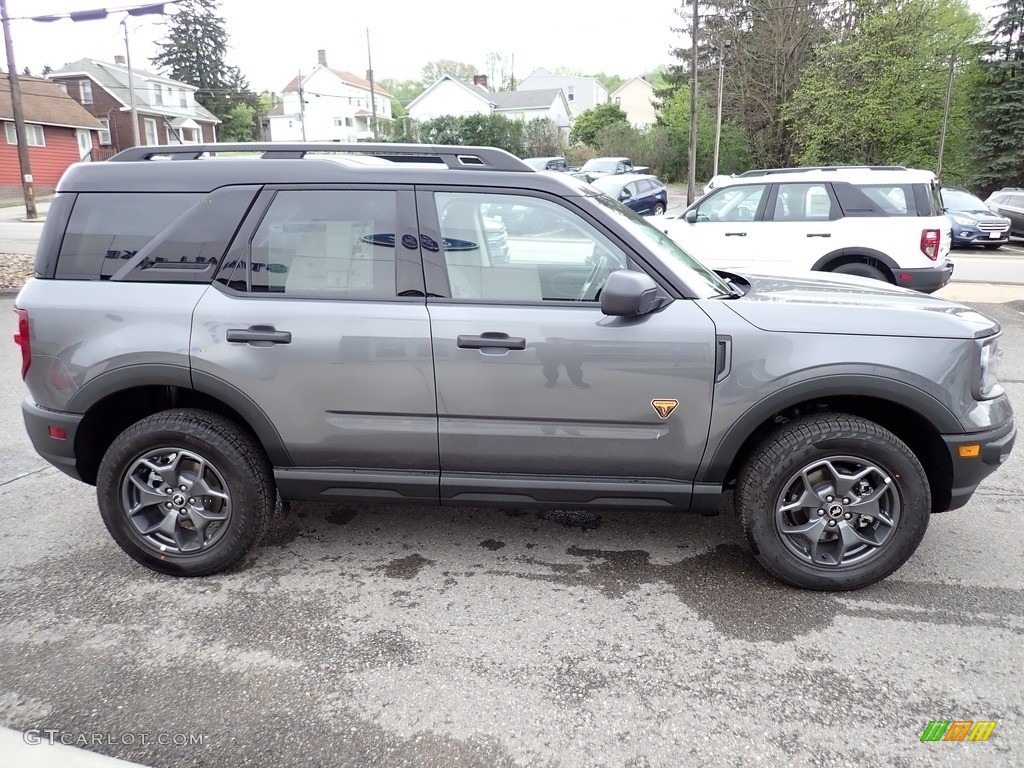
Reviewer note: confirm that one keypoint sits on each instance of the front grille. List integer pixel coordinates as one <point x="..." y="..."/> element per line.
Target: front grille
<point x="993" y="226"/>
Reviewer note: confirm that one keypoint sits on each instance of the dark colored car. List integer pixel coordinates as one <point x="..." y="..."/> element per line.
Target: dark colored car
<point x="641" y="192"/>
<point x="973" y="222"/>
<point x="1009" y="202"/>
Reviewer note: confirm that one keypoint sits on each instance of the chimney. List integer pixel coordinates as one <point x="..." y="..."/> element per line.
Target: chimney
<point x="119" y="60"/>
<point x="321" y="57"/>
<point x="480" y="80"/>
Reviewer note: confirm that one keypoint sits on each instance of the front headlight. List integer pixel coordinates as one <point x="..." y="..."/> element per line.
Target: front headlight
<point x="963" y="221"/>
<point x="988" y="370"/>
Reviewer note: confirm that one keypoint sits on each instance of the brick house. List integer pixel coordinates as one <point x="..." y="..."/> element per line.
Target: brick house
<point x="58" y="132"/>
<point x="167" y="109"/>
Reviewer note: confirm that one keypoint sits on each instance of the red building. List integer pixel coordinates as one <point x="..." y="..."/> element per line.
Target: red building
<point x="59" y="132"/>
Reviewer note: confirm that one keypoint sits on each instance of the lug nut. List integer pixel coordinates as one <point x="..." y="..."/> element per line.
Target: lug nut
<point x="829" y="498"/>
<point x="846" y="500"/>
<point x="832" y="523"/>
<point x="847" y="516"/>
<point x="168" y="505"/>
<point x="821" y="512"/>
<point x="182" y="487"/>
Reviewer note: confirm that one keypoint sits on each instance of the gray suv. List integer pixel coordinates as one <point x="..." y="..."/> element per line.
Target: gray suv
<point x="207" y="336"/>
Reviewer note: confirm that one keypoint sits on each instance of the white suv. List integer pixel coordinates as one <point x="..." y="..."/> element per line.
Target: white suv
<point x="882" y="222"/>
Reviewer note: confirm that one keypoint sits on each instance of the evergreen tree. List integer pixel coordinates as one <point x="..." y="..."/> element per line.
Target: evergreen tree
<point x="194" y="52"/>
<point x="999" y="100"/>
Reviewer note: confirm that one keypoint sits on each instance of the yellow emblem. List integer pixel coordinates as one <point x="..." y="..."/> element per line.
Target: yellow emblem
<point x="664" y="407"/>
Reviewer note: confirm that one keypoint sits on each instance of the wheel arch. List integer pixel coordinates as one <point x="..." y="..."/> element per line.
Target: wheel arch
<point x="914" y="416"/>
<point x="116" y="399"/>
<point x="860" y="255"/>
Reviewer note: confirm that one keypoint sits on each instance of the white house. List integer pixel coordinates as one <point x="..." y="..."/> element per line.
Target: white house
<point x="449" y="96"/>
<point x="636" y="98"/>
<point x="327" y="105"/>
<point x="582" y="93"/>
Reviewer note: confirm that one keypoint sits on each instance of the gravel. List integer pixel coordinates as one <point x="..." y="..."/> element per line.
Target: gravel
<point x="15" y="269"/>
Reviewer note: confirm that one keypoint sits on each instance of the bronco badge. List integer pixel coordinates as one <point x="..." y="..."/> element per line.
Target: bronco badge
<point x="664" y="407"/>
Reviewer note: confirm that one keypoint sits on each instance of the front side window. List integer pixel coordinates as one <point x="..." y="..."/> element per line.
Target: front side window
<point x="734" y="203"/>
<point x="515" y="248"/>
<point x="323" y="244"/>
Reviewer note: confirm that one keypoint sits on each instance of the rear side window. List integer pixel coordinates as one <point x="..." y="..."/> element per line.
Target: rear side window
<point x="107" y="229"/>
<point x="322" y="244"/>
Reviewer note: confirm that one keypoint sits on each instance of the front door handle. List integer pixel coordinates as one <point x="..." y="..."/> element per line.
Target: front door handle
<point x="491" y="339"/>
<point x="259" y="335"/>
<point x="819" y="234"/>
<point x="735" y="234"/>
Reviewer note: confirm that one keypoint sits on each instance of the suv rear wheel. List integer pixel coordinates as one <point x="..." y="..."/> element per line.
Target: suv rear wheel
<point x="185" y="492"/>
<point x="833" y="502"/>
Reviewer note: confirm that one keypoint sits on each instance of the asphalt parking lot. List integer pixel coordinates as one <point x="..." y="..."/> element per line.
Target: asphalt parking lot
<point x="419" y="636"/>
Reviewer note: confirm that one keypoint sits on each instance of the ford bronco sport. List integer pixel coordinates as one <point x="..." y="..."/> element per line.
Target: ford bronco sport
<point x="205" y="335"/>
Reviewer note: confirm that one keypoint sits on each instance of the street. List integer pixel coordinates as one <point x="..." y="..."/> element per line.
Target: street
<point x="423" y="636"/>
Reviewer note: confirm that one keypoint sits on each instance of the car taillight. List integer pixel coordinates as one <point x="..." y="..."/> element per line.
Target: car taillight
<point x="930" y="239"/>
<point x="22" y="340"/>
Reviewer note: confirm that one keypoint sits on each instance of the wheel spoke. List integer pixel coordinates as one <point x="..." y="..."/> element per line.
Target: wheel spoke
<point x="147" y="497"/>
<point x="850" y="538"/>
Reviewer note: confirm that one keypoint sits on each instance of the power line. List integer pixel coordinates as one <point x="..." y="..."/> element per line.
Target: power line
<point x="99" y="13"/>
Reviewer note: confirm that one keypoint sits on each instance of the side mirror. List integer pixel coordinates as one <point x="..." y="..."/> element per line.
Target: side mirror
<point x="691" y="216"/>
<point x="628" y="294"/>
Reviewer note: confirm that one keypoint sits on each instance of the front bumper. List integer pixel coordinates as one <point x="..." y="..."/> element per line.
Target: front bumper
<point x="965" y="236"/>
<point x="926" y="280"/>
<point x="41" y="424"/>
<point x="993" y="448"/>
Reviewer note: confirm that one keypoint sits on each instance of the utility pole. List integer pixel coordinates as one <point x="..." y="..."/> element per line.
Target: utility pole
<point x="373" y="96"/>
<point x="19" y="119"/>
<point x="131" y="85"/>
<point x="691" y="186"/>
<point x="302" y="107"/>
<point x="718" y="119"/>
<point x="945" y="114"/>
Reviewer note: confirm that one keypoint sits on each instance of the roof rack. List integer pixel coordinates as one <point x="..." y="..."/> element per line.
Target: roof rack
<point x="773" y="171"/>
<point x="455" y="157"/>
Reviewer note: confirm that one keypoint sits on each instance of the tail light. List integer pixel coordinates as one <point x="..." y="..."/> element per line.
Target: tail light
<point x="930" y="239"/>
<point x="22" y="340"/>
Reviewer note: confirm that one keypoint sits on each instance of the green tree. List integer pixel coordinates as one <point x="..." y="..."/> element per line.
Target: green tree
<point x="193" y="52"/>
<point x="435" y="70"/>
<point x="589" y="122"/>
<point x="997" y="136"/>
<point x="875" y="93"/>
<point x="403" y="91"/>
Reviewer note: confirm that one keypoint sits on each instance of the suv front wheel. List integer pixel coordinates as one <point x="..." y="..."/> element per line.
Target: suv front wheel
<point x="185" y="492"/>
<point x="833" y="502"/>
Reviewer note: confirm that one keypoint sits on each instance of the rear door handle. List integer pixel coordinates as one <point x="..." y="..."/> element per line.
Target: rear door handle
<point x="491" y="339"/>
<point x="735" y="234"/>
<point x="259" y="335"/>
<point x="819" y="234"/>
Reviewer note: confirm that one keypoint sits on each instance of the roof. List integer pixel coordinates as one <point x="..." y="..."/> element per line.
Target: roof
<point x="539" y="99"/>
<point x="113" y="78"/>
<point x="45" y="103"/>
<point x="630" y="82"/>
<point x="347" y="77"/>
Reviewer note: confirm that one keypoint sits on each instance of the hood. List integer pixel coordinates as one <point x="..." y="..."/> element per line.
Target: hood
<point x="978" y="215"/>
<point x="844" y="304"/>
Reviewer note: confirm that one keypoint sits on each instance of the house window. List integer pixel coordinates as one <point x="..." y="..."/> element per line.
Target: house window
<point x="151" y="138"/>
<point x="182" y="98"/>
<point x="105" y="131"/>
<point x="34" y="134"/>
<point x="85" y="88"/>
<point x="158" y="95"/>
<point x="63" y="86"/>
<point x="571" y="93"/>
<point x="618" y="100"/>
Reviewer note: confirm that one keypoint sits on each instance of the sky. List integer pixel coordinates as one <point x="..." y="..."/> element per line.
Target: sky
<point x="272" y="42"/>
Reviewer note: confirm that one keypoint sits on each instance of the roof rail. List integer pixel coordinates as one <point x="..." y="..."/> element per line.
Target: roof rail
<point x="772" y="171"/>
<point x="455" y="157"/>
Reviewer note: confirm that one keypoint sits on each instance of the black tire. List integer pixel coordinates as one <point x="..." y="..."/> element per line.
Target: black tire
<point x="217" y="481"/>
<point x="861" y="269"/>
<point x="844" y="533"/>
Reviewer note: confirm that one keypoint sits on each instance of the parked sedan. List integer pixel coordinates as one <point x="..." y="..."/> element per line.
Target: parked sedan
<point x="973" y="222"/>
<point x="1009" y="202"/>
<point x="642" y="192"/>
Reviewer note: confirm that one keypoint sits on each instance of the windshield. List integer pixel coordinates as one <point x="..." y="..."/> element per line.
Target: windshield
<point x="958" y="200"/>
<point x="599" y="164"/>
<point x="690" y="271"/>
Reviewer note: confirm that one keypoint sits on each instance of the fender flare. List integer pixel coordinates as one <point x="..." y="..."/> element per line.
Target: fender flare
<point x="846" y="253"/>
<point x="716" y="464"/>
<point x="169" y="375"/>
